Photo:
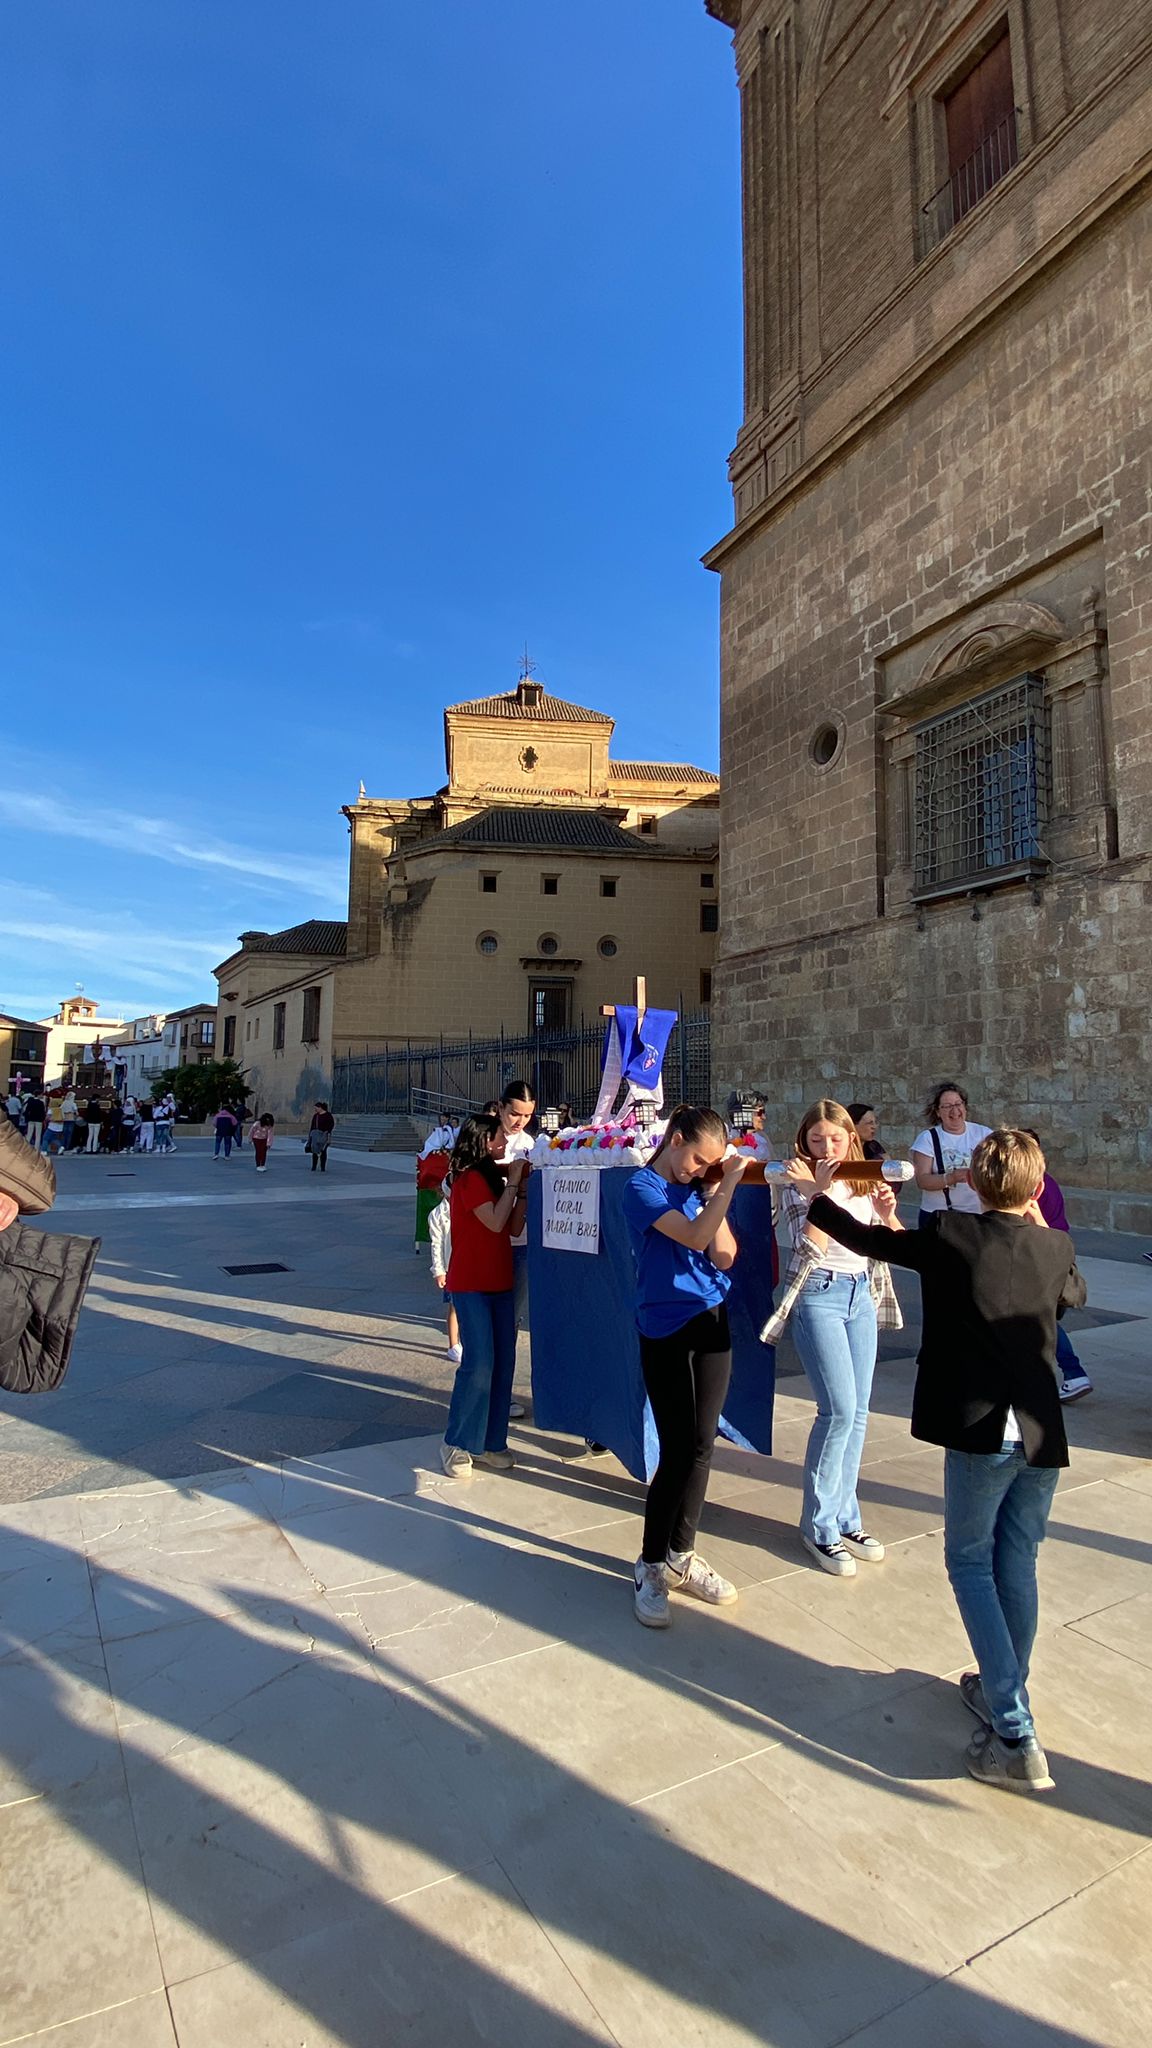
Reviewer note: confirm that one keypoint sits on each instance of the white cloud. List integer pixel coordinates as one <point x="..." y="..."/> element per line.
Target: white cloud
<point x="158" y="839"/>
<point x="55" y="940"/>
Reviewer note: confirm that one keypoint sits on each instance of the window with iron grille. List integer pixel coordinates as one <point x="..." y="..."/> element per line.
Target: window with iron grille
<point x="229" y="1037"/>
<point x="279" y="1012"/>
<point x="982" y="790"/>
<point x="310" y="1030"/>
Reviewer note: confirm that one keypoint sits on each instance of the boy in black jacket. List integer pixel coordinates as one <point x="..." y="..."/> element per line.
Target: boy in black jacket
<point x="988" y="1389"/>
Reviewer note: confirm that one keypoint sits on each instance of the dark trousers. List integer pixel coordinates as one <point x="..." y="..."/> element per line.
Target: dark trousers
<point x="320" y="1159"/>
<point x="686" y="1376"/>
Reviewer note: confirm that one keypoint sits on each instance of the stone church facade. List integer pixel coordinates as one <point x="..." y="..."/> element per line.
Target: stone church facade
<point x="527" y="891"/>
<point x="937" y="593"/>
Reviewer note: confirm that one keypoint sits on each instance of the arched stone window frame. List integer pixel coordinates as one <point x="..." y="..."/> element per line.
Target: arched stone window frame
<point x="991" y="646"/>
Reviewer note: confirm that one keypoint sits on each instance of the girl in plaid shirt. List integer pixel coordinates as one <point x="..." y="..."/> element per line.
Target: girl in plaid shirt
<point x="834" y="1326"/>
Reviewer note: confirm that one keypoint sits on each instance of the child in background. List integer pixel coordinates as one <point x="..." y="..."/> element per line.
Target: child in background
<point x="440" y="1246"/>
<point x="1074" y="1381"/>
<point x="987" y="1388"/>
<point x="224" y="1124"/>
<point x="260" y="1138"/>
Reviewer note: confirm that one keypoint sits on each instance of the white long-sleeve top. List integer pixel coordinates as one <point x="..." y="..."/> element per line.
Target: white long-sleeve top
<point x="440" y="1239"/>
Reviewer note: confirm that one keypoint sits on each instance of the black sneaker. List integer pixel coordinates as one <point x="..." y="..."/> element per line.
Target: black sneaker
<point x="832" y="1557"/>
<point x="972" y="1694"/>
<point x="1020" y="1769"/>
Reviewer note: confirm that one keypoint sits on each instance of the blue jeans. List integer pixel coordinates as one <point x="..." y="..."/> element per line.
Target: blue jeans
<point x="223" y="1138"/>
<point x="482" y="1390"/>
<point x="995" y="1515"/>
<point x="834" y="1328"/>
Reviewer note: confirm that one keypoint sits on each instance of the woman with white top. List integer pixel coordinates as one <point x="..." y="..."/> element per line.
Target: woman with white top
<point x="516" y="1109"/>
<point x="834" y="1327"/>
<point x="942" y="1154"/>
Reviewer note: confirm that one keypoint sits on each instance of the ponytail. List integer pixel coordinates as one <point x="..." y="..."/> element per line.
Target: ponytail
<point x="692" y="1124"/>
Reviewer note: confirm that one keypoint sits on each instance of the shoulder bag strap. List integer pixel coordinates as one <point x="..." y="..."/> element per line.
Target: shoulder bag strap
<point x="935" y="1137"/>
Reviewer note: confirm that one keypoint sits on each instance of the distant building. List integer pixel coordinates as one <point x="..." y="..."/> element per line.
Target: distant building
<point x="936" y="609"/>
<point x="195" y="1041"/>
<point x="527" y="891"/>
<point x="151" y="1046"/>
<point x="22" y="1050"/>
<point x="77" y="1024"/>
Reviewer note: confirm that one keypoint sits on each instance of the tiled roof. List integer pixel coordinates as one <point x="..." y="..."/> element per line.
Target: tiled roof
<point x="518" y="789"/>
<point x="660" y="771"/>
<point x="318" y="935"/>
<point x="562" y="831"/>
<point x="546" y="710"/>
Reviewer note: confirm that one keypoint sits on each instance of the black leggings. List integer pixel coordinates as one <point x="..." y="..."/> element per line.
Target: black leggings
<point x="686" y="1376"/>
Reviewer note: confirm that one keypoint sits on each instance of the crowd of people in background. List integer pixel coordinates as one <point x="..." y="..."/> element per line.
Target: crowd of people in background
<point x="64" y="1120"/>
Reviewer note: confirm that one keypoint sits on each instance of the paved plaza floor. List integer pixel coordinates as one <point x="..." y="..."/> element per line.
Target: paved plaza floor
<point x="305" y="1745"/>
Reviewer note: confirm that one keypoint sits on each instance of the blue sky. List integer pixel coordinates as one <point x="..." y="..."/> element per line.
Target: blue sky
<point x="346" y="350"/>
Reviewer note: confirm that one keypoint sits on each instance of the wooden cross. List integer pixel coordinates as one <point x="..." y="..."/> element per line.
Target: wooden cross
<point x="640" y="998"/>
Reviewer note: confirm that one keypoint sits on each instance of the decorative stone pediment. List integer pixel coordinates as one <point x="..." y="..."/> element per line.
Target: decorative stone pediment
<point x="918" y="42"/>
<point x="996" y="641"/>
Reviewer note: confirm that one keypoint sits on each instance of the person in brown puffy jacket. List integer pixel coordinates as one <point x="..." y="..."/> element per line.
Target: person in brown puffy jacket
<point x="43" y="1275"/>
<point x="27" y="1177"/>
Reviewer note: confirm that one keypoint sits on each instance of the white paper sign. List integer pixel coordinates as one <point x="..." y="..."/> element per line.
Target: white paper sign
<point x="571" y="1209"/>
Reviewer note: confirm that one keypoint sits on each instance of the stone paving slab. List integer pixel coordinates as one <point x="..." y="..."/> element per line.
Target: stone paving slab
<point x="335" y="1750"/>
<point x="320" y="1747"/>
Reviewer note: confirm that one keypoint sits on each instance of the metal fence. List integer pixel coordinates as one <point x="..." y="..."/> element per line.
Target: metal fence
<point x="992" y="159"/>
<point x="563" y="1066"/>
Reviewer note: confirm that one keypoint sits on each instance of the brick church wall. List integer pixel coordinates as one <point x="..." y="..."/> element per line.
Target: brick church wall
<point x="1013" y="477"/>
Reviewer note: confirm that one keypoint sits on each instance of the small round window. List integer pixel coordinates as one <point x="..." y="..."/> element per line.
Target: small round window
<point x="826" y="743"/>
<point x="607" y="949"/>
<point x="487" y="942"/>
<point x="548" y="943"/>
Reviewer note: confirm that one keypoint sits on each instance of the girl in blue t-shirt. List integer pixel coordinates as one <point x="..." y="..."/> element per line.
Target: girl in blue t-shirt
<point x="683" y="1248"/>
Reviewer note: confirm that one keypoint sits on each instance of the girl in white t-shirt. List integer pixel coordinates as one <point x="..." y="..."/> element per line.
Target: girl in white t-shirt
<point x="942" y="1154"/>
<point x="833" y="1326"/>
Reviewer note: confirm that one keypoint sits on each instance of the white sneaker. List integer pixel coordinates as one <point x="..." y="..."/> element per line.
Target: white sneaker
<point x="455" y="1353"/>
<point x="517" y="1412"/>
<point x="456" y="1463"/>
<point x="858" y="1544"/>
<point x="651" y="1599"/>
<point x="261" y="1169"/>
<point x="832" y="1557"/>
<point x="1075" y="1386"/>
<point x="495" y="1461"/>
<point x="688" y="1573"/>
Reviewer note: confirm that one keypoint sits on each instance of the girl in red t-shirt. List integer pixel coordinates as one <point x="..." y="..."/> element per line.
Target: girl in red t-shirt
<point x="487" y="1212"/>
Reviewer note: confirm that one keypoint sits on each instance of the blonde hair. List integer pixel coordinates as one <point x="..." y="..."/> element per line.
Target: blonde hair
<point x="827" y="1112"/>
<point x="1007" y="1169"/>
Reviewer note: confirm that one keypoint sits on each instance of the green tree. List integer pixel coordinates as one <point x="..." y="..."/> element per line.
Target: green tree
<point x="199" y="1091"/>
